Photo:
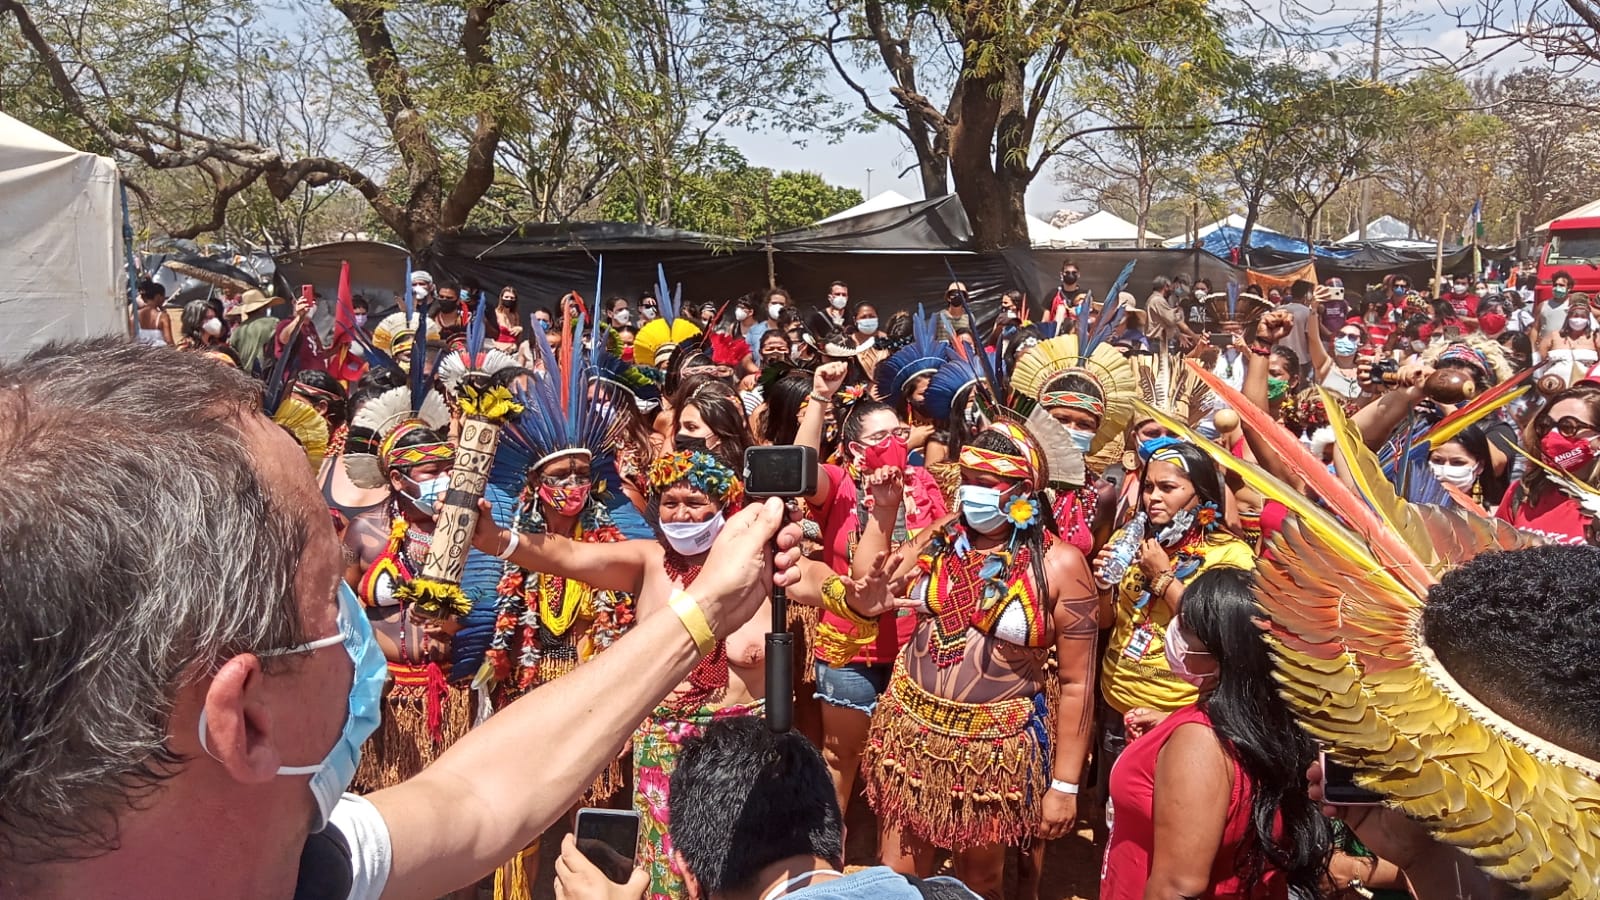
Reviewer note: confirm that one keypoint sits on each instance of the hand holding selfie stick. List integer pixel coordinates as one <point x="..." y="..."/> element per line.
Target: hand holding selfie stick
<point x="784" y="471"/>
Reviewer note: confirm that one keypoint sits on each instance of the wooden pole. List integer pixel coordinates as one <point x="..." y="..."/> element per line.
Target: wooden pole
<point x="1438" y="257"/>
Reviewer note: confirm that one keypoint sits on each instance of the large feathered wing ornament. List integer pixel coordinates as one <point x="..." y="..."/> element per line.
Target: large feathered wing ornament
<point x="309" y="428"/>
<point x="1343" y="587"/>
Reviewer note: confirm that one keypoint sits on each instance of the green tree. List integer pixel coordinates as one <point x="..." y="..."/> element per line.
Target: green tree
<point x="1000" y="67"/>
<point x="737" y="200"/>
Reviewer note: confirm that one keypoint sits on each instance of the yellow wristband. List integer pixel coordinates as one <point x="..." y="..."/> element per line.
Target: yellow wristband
<point x="694" y="620"/>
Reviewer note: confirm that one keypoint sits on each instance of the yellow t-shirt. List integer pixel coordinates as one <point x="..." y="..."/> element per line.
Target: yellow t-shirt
<point x="1128" y="682"/>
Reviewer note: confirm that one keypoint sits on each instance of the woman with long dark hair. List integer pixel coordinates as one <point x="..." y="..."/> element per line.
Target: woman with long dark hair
<point x="708" y="415"/>
<point x="1565" y="435"/>
<point x="1212" y="801"/>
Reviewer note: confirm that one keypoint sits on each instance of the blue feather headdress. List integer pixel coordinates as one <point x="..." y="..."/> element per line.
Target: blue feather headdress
<point x="960" y="374"/>
<point x="924" y="355"/>
<point x="565" y="411"/>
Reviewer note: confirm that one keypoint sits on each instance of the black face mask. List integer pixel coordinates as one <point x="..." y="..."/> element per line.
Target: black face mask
<point x="686" y="444"/>
<point x="1071" y="278"/>
<point x="508" y="301"/>
<point x="447" y="306"/>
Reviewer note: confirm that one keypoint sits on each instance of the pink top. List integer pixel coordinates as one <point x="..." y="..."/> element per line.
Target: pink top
<point x="1132" y="847"/>
<point x="838" y="519"/>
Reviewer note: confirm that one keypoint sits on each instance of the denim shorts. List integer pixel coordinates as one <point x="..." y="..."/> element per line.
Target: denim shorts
<point x="854" y="686"/>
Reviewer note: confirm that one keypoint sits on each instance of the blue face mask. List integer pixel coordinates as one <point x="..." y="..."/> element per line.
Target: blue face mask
<point x="980" y="507"/>
<point x="1082" y="439"/>
<point x="867" y="326"/>
<point x="425" y="495"/>
<point x="1343" y="346"/>
<point x="333" y="775"/>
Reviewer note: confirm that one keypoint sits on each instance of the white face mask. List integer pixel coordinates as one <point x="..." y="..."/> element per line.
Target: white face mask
<point x="740" y="314"/>
<point x="1178" y="653"/>
<point x="212" y="327"/>
<point x="419" y="291"/>
<point x="775" y="311"/>
<point x="647" y="313"/>
<point x="622" y="317"/>
<point x="1462" y="477"/>
<point x="838" y="302"/>
<point x="691" y="538"/>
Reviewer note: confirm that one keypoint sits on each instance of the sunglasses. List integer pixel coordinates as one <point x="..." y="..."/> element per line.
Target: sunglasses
<point x="1569" y="426"/>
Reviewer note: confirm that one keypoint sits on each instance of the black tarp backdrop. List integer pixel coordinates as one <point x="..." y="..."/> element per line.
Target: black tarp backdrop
<point x="894" y="259"/>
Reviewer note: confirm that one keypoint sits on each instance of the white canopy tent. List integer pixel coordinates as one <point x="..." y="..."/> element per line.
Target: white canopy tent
<point x="1383" y="228"/>
<point x="60" y="243"/>
<point x="1233" y="220"/>
<point x="1107" y="230"/>
<point x="875" y="203"/>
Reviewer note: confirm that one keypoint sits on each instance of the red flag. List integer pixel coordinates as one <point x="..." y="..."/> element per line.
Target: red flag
<point x="344" y="364"/>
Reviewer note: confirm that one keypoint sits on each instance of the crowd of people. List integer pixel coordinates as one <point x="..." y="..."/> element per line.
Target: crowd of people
<point x="1160" y="570"/>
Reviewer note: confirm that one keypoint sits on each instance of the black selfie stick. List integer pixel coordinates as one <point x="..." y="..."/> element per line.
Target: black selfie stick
<point x="780" y="663"/>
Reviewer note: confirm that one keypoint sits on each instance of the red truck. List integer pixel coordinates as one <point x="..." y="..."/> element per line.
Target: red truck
<point x="1572" y="246"/>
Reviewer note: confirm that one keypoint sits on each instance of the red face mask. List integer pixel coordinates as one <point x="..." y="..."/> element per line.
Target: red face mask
<point x="565" y="501"/>
<point x="1493" y="323"/>
<point x="1567" y="454"/>
<point x="891" y="451"/>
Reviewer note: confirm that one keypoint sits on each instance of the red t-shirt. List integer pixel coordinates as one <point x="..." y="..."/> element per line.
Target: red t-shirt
<point x="1556" y="517"/>
<point x="839" y="522"/>
<point x="1132" y="847"/>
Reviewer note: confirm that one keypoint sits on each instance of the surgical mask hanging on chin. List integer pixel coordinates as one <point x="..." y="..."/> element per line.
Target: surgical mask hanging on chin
<point x="1181" y="522"/>
<point x="363" y="708"/>
<point x="1178" y="652"/>
<point x="692" y="538"/>
<point x="424" y="496"/>
<point x="980" y="508"/>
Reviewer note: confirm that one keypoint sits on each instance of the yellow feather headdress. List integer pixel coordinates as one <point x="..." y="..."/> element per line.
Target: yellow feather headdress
<point x="1105" y="366"/>
<point x="1343" y="588"/>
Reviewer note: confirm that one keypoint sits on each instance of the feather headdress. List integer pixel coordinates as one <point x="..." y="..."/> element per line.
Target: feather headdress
<point x="923" y="356"/>
<point x="569" y="408"/>
<point x="373" y="429"/>
<point x="954" y="380"/>
<point x="474" y="358"/>
<point x="1101" y="364"/>
<point x="656" y="339"/>
<point x="396" y="333"/>
<point x="1482" y="353"/>
<point x="1344" y="588"/>
<point x="1235" y="306"/>
<point x="1166" y="385"/>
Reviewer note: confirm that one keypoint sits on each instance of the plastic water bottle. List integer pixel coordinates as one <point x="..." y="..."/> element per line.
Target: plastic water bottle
<point x="1123" y="550"/>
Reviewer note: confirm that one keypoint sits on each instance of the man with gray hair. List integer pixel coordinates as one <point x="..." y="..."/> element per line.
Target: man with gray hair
<point x="178" y="654"/>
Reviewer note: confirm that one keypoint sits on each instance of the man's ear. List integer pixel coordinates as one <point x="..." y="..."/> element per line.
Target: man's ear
<point x="691" y="884"/>
<point x="238" y="730"/>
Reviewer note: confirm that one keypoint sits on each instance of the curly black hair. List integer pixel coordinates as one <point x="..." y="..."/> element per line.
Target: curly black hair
<point x="1521" y="631"/>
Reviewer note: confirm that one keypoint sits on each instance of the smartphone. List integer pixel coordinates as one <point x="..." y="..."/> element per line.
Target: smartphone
<point x="308" y="292"/>
<point x="781" y="471"/>
<point x="1336" y="293"/>
<point x="1339" y="786"/>
<point x="1220" y="339"/>
<point x="609" y="838"/>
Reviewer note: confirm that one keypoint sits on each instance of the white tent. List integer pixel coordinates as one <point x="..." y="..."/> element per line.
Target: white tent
<point x="1044" y="236"/>
<point x="1233" y="220"/>
<point x="1107" y="230"/>
<point x="875" y="203"/>
<point x="1383" y="228"/>
<point x="60" y="242"/>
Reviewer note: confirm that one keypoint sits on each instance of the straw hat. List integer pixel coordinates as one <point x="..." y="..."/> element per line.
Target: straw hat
<point x="252" y="300"/>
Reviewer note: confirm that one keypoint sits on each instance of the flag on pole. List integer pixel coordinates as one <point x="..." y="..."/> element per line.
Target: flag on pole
<point x="344" y="364"/>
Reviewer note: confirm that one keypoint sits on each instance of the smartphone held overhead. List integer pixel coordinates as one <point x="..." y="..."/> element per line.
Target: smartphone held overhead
<point x="1339" y="786"/>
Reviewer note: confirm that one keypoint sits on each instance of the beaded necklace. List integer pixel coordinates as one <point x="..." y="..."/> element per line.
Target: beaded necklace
<point x="968" y="589"/>
<point x="709" y="679"/>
